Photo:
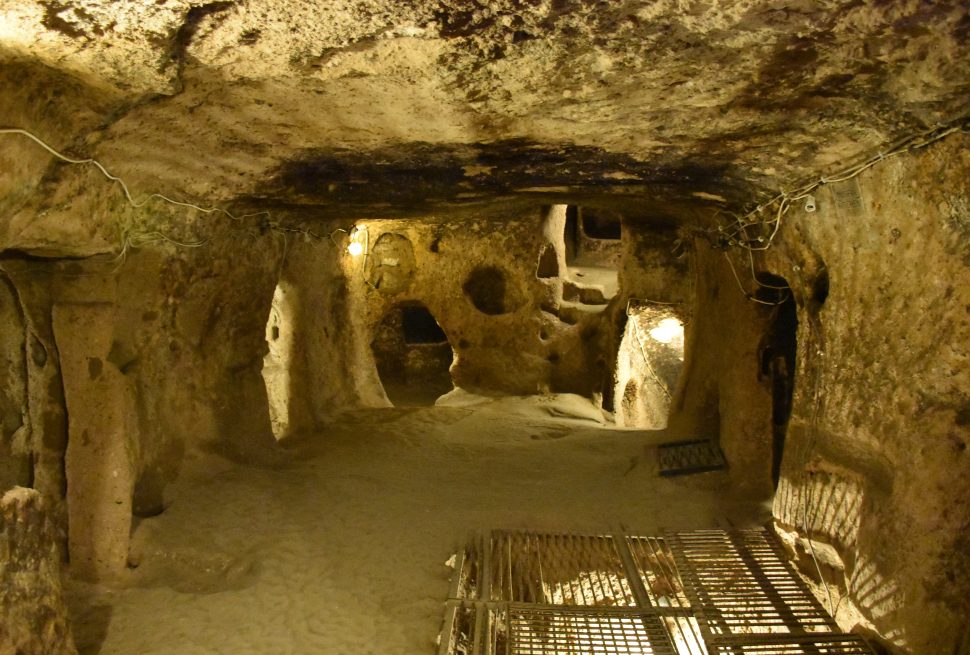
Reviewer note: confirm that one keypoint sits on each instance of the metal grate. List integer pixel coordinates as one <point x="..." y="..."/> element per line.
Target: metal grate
<point x="739" y="583"/>
<point x="827" y="645"/>
<point x="685" y="457"/>
<point x="581" y="631"/>
<point x="568" y="570"/>
<point x="689" y="593"/>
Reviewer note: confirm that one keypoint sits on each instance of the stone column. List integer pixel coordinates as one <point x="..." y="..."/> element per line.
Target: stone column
<point x="33" y="617"/>
<point x="100" y="409"/>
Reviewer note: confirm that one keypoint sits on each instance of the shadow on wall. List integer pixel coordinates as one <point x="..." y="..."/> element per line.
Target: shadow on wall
<point x="413" y="356"/>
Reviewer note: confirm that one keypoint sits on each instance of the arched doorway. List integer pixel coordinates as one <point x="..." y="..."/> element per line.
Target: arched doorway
<point x="413" y="356"/>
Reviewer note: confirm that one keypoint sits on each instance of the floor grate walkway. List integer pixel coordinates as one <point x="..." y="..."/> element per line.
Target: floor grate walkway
<point x="687" y="593"/>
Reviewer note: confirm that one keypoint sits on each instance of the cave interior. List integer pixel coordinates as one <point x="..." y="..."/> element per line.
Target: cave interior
<point x="300" y="297"/>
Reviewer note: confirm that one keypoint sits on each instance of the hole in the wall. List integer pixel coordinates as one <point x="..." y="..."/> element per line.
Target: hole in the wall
<point x="591" y="277"/>
<point x="571" y="232"/>
<point x="390" y="265"/>
<point x="487" y="288"/>
<point x="413" y="356"/>
<point x="820" y="288"/>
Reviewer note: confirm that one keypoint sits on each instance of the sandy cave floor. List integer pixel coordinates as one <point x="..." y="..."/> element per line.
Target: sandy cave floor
<point x="340" y="547"/>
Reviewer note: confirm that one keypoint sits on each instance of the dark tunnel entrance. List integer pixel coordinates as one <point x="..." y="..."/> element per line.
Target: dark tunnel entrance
<point x="778" y="351"/>
<point x="413" y="356"/>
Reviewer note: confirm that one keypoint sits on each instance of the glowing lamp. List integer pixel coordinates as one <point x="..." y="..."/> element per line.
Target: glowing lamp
<point x="355" y="248"/>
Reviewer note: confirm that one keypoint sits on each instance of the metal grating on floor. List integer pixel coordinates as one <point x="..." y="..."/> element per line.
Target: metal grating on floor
<point x="740" y="583"/>
<point x="581" y="631"/>
<point x="685" y="457"/>
<point x="689" y="593"/>
<point x="580" y="570"/>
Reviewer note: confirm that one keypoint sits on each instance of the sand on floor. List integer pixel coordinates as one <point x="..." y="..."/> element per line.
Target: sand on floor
<point x="338" y="544"/>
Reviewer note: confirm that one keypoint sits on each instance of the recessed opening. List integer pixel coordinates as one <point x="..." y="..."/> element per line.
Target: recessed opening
<point x="548" y="266"/>
<point x="419" y="326"/>
<point x="820" y="288"/>
<point x="488" y="289"/>
<point x="777" y="351"/>
<point x="278" y="360"/>
<point x="413" y="356"/>
<point x="649" y="364"/>
<point x="593" y="250"/>
<point x="601" y="224"/>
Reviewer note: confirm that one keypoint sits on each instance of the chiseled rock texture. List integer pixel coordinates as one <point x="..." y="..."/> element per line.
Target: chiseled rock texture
<point x="373" y="103"/>
<point x="876" y="460"/>
<point x="470" y="118"/>
<point x="33" y="617"/>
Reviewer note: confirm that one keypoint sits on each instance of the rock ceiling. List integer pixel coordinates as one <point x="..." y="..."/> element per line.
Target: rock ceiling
<point x="379" y="103"/>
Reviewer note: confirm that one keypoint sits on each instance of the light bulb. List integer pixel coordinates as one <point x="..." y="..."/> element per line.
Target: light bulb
<point x="355" y="248"/>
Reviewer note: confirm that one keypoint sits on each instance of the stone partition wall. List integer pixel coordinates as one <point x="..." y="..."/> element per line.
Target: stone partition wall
<point x="479" y="276"/>
<point x="721" y="396"/>
<point x="876" y="466"/>
<point x="133" y="361"/>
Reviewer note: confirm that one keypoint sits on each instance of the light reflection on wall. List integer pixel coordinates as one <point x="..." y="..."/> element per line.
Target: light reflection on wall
<point x="649" y="362"/>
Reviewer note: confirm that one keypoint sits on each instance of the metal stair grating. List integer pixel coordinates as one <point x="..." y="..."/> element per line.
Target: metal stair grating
<point x="706" y="592"/>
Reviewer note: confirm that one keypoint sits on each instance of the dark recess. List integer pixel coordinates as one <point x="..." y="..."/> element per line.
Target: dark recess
<point x="485" y="287"/>
<point x="778" y="350"/>
<point x="601" y="225"/>
<point x="419" y="326"/>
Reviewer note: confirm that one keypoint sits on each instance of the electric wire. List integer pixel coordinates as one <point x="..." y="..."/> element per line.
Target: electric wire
<point x="737" y="235"/>
<point x="136" y="240"/>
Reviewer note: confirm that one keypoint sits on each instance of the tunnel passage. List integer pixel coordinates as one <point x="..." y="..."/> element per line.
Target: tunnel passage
<point x="777" y="354"/>
<point x="413" y="356"/>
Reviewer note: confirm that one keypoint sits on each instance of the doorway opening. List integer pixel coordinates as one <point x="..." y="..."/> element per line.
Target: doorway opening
<point x="649" y="363"/>
<point x="276" y="363"/>
<point x="413" y="356"/>
<point x="592" y="249"/>
<point x="777" y="354"/>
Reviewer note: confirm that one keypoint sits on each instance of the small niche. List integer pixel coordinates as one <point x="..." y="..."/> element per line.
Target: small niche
<point x="488" y="289"/>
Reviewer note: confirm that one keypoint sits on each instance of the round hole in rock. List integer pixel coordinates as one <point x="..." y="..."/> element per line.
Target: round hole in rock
<point x="488" y="290"/>
<point x="413" y="356"/>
